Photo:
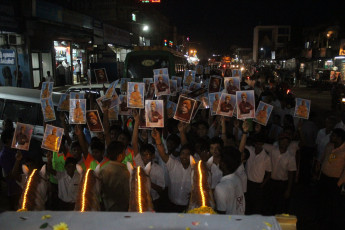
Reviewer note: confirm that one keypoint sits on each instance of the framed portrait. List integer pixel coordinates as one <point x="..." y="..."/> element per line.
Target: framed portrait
<point x="101" y="76"/>
<point x="48" y="109"/>
<point x="263" y="113"/>
<point x="135" y="95"/>
<point x="64" y="103"/>
<point x="162" y="86"/>
<point x="22" y="136"/>
<point x="100" y="103"/>
<point x="204" y="101"/>
<point x="93" y="121"/>
<point x="245" y="101"/>
<point x="113" y="113"/>
<point x="163" y="71"/>
<point x="75" y="95"/>
<point x="154" y="112"/>
<point x="237" y="73"/>
<point x="123" y="108"/>
<point x="110" y="91"/>
<point x="184" y="110"/>
<point x="215" y="84"/>
<point x="226" y="105"/>
<point x="214" y="99"/>
<point x="302" y="108"/>
<point x="189" y="77"/>
<point x="47" y="90"/>
<point x="173" y="87"/>
<point x="231" y="85"/>
<point x="123" y="85"/>
<point x="52" y="138"/>
<point x="77" y="111"/>
<point x="171" y="108"/>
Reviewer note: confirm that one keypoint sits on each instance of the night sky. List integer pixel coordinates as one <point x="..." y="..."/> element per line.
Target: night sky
<point x="220" y="24"/>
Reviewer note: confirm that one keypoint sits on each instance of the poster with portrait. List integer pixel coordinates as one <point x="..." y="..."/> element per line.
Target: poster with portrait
<point x="64" y="103"/>
<point x="123" y="108"/>
<point x="115" y="100"/>
<point x="171" y="108"/>
<point x="111" y="91"/>
<point x="302" y="108"/>
<point x="199" y="69"/>
<point x="142" y="119"/>
<point x="52" y="138"/>
<point x="245" y="101"/>
<point x="173" y="87"/>
<point x="22" y="136"/>
<point x="194" y="86"/>
<point x="189" y="77"/>
<point x="163" y="71"/>
<point x="184" y="110"/>
<point x="263" y="113"/>
<point x="47" y="90"/>
<point x="207" y="70"/>
<point x="93" y="121"/>
<point x="48" y="109"/>
<point x="237" y="73"/>
<point x="179" y="82"/>
<point x="204" y="101"/>
<point x="213" y="99"/>
<point x="151" y="93"/>
<point x="215" y="84"/>
<point x="162" y="86"/>
<point x="77" y="111"/>
<point x="75" y="95"/>
<point x="226" y="105"/>
<point x="154" y="112"/>
<point x="147" y="82"/>
<point x="113" y="113"/>
<point x="101" y="76"/>
<point x="231" y="85"/>
<point x="123" y="85"/>
<point x="100" y="102"/>
<point x="196" y="108"/>
<point x="135" y="96"/>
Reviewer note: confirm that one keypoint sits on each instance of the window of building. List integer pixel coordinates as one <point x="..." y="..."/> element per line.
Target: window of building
<point x="21" y="111"/>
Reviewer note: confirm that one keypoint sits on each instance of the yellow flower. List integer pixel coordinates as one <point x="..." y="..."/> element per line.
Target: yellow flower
<point x="61" y="226"/>
<point x="46" y="217"/>
<point x="202" y="210"/>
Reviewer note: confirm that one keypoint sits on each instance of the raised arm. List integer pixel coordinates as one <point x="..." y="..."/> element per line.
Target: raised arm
<point x="15" y="174"/>
<point x="155" y="135"/>
<point x="50" y="169"/>
<point x="82" y="141"/>
<point x="182" y="129"/>
<point x="245" y="128"/>
<point x="105" y="108"/>
<point x="65" y="128"/>
<point x="135" y="138"/>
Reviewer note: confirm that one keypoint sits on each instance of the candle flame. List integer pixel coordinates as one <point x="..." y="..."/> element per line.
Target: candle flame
<point x="84" y="190"/>
<point x="27" y="189"/>
<point x="139" y="191"/>
<point x="200" y="185"/>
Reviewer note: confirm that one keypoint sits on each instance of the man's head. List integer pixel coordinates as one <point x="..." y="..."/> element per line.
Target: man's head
<point x="114" y="131"/>
<point x="258" y="141"/>
<point x="173" y="142"/>
<point x="284" y="141"/>
<point x="70" y="165"/>
<point x="97" y="149"/>
<point x="202" y="129"/>
<point x="337" y="136"/>
<point x="330" y="123"/>
<point x="48" y="73"/>
<point x="78" y="61"/>
<point x="216" y="145"/>
<point x="185" y="153"/>
<point x="6" y="137"/>
<point x="7" y="124"/>
<point x="92" y="118"/>
<point x="116" y="151"/>
<point x="124" y="137"/>
<point x="230" y="160"/>
<point x="76" y="150"/>
<point x="147" y="152"/>
<point x="186" y="106"/>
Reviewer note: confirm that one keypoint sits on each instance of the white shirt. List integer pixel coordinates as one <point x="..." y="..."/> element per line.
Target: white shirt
<point x="241" y="173"/>
<point x="282" y="163"/>
<point x="180" y="182"/>
<point x="229" y="195"/>
<point x="292" y="148"/>
<point x="77" y="68"/>
<point x="156" y="175"/>
<point x="49" y="79"/>
<point x="216" y="174"/>
<point x="67" y="186"/>
<point x="322" y="140"/>
<point x="257" y="165"/>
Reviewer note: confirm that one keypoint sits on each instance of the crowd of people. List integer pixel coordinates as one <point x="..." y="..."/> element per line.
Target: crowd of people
<point x="253" y="168"/>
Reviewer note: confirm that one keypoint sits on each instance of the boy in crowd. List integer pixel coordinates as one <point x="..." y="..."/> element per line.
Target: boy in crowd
<point x="216" y="145"/>
<point x="229" y="194"/>
<point x="115" y="179"/>
<point x="68" y="182"/>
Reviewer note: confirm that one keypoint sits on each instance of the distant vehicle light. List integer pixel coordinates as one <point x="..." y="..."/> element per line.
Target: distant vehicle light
<point x="288" y="91"/>
<point x="343" y="100"/>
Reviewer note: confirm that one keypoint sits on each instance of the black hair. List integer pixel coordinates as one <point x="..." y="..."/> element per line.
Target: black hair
<point x="231" y="157"/>
<point x="97" y="144"/>
<point x="204" y="123"/>
<point x="258" y="138"/>
<point x="340" y="133"/>
<point x="115" y="148"/>
<point x="204" y="144"/>
<point x="6" y="136"/>
<point x="75" y="144"/>
<point x="147" y="147"/>
<point x="217" y="140"/>
<point x="187" y="146"/>
<point x="176" y="139"/>
<point x="71" y="160"/>
<point x="126" y="134"/>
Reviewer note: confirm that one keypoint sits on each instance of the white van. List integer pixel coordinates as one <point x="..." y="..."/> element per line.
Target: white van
<point x="24" y="105"/>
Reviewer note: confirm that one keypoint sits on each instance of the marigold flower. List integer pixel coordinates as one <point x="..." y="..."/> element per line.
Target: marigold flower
<point x="61" y="226"/>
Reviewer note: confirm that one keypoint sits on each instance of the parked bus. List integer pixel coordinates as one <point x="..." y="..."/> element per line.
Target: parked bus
<point x="141" y="62"/>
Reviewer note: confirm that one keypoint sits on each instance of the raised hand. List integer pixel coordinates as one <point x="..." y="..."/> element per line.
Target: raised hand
<point x="155" y="134"/>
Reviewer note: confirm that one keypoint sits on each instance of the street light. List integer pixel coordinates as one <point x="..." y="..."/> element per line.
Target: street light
<point x="145" y="28"/>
